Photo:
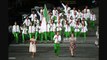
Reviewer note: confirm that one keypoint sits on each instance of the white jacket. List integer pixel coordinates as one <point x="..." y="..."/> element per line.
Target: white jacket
<point x="92" y="17"/>
<point x="32" y="16"/>
<point x="16" y="28"/>
<point x="52" y="27"/>
<point x="57" y="39"/>
<point x="31" y="29"/>
<point x="59" y="27"/>
<point x="27" y="22"/>
<point x="84" y="29"/>
<point x="67" y="28"/>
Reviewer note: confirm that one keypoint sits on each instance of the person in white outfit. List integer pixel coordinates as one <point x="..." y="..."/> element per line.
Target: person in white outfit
<point x="32" y="46"/>
<point x="31" y="30"/>
<point x="24" y="32"/>
<point x="27" y="22"/>
<point x="66" y="8"/>
<point x="16" y="31"/>
<point x="52" y="29"/>
<point x="32" y="16"/>
<point x="92" y="19"/>
<point x="67" y="30"/>
<point x="84" y="31"/>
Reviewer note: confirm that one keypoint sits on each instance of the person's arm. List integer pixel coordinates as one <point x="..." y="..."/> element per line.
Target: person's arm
<point x="38" y="13"/>
<point x="63" y="6"/>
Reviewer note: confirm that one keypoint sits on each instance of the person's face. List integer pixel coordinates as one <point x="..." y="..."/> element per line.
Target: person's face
<point x="15" y="23"/>
<point x="33" y="12"/>
<point x="86" y="7"/>
<point x="57" y="33"/>
<point x="78" y="10"/>
<point x="73" y="8"/>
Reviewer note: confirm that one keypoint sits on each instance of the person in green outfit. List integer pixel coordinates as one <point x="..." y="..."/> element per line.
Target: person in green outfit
<point x="16" y="31"/>
<point x="57" y="40"/>
<point x="24" y="32"/>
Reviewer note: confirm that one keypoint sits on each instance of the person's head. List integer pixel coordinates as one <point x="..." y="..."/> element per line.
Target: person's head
<point x="33" y="12"/>
<point x="27" y="17"/>
<point x="54" y="8"/>
<point x="67" y="5"/>
<point x="75" y="13"/>
<point x="82" y="11"/>
<point x="79" y="10"/>
<point x="86" y="7"/>
<point x="73" y="8"/>
<point x="71" y="17"/>
<point x="57" y="33"/>
<point x="15" y="23"/>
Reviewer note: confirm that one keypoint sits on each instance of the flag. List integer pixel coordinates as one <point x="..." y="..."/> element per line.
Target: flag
<point x="45" y="13"/>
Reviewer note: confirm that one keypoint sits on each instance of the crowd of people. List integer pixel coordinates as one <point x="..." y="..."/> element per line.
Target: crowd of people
<point x="64" y="20"/>
<point x="51" y="24"/>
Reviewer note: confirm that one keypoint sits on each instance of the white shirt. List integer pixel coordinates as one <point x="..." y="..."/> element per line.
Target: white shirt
<point x="52" y="27"/>
<point x="40" y="15"/>
<point x="31" y="29"/>
<point x="37" y="27"/>
<point x="84" y="16"/>
<point x="67" y="28"/>
<point x="88" y="10"/>
<point x="68" y="16"/>
<point x="65" y="8"/>
<point x="72" y="23"/>
<point x="75" y="17"/>
<point x="93" y="17"/>
<point x="36" y="21"/>
<point x="27" y="22"/>
<point x="48" y="28"/>
<point x="79" y="15"/>
<point x="16" y="28"/>
<point x="57" y="39"/>
<point x="24" y="30"/>
<point x="77" y="28"/>
<point x="54" y="12"/>
<point x="32" y="16"/>
<point x="59" y="27"/>
<point x="84" y="29"/>
<point x="43" y="25"/>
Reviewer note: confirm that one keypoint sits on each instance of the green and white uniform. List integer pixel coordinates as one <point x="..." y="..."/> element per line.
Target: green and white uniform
<point x="16" y="31"/>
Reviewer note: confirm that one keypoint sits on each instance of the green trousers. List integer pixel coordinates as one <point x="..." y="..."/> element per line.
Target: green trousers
<point x="43" y="36"/>
<point x="67" y="34"/>
<point x="84" y="35"/>
<point x="52" y="35"/>
<point x="16" y="35"/>
<point x="92" y="24"/>
<point x="77" y="34"/>
<point x="30" y="35"/>
<point x="36" y="35"/>
<point x="72" y="29"/>
<point x="24" y="36"/>
<point x="57" y="48"/>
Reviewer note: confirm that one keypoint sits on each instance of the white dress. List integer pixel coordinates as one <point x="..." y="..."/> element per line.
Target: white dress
<point x="32" y="47"/>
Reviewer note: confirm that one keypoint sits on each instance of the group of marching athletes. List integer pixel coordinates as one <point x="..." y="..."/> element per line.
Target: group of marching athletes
<point x="69" y="20"/>
<point x="74" y="22"/>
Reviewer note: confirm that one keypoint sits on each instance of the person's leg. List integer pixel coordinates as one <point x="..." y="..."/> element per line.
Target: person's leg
<point x="76" y="34"/>
<point x="17" y="37"/>
<point x="41" y="37"/>
<point x="45" y="34"/>
<point x="93" y="24"/>
<point x="51" y="34"/>
<point x="55" y="47"/>
<point x="36" y="35"/>
<point x="30" y="35"/>
<point x="23" y="38"/>
<point x="58" y="49"/>
<point x="84" y="35"/>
